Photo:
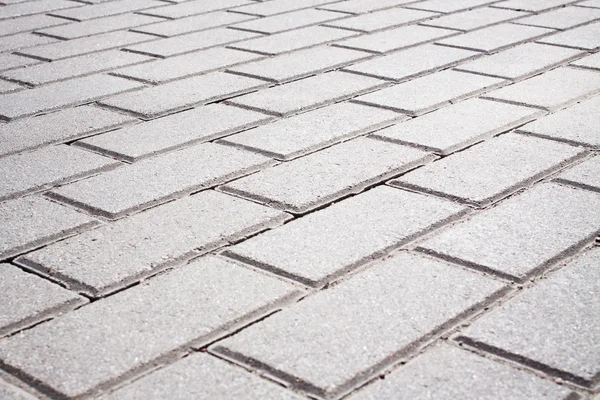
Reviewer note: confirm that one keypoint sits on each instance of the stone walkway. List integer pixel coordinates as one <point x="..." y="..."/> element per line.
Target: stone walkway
<point x="287" y="199"/>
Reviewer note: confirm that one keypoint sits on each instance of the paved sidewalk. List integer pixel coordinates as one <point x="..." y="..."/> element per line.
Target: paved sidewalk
<point x="288" y="199"/>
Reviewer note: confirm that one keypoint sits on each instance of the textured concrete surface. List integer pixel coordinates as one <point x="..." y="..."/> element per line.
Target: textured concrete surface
<point x="299" y="199"/>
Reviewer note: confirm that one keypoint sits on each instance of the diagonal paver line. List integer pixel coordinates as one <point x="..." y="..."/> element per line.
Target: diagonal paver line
<point x="291" y="199"/>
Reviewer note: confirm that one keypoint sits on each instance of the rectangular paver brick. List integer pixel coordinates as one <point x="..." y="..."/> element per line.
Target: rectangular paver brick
<point x="448" y="6"/>
<point x="383" y="19"/>
<point x="23" y="41"/>
<point x="201" y="124"/>
<point x="106" y="9"/>
<point x="288" y="21"/>
<point x="96" y="345"/>
<point x="187" y="8"/>
<point x="76" y="30"/>
<point x="35" y="7"/>
<point x="585" y="37"/>
<point x="474" y="19"/>
<point x="328" y="243"/>
<point x="585" y="175"/>
<point x="28" y="299"/>
<point x="10" y="61"/>
<point x="590" y="61"/>
<point x="308" y="93"/>
<point x="348" y="322"/>
<point x="191" y="24"/>
<point x="458" y="126"/>
<point x="532" y="5"/>
<point x="561" y="312"/>
<point x="363" y="6"/>
<point x="429" y="92"/>
<point x="280" y="6"/>
<point x="524" y="234"/>
<point x="30" y="23"/>
<point x="562" y="18"/>
<point x="308" y="182"/>
<point x="490" y="171"/>
<point x="8" y="391"/>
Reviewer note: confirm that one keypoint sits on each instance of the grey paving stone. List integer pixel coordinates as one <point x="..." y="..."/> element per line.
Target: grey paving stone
<point x="57" y="127"/>
<point x="288" y="21"/>
<point x="565" y="315"/>
<point x="292" y="137"/>
<point x="34" y="7"/>
<point x="76" y="30"/>
<point x="326" y="244"/>
<point x="496" y="38"/>
<point x="106" y="9"/>
<point x="28" y="299"/>
<point x="7" y="87"/>
<point x="562" y="18"/>
<point x="62" y="94"/>
<point x="280" y="6"/>
<point x="190" y="42"/>
<point x="521" y="61"/>
<point x="429" y="92"/>
<point x="395" y="39"/>
<point x="292" y="40"/>
<point x="160" y="100"/>
<point x="474" y="19"/>
<point x="591" y="62"/>
<point x="187" y="8"/>
<point x="73" y="67"/>
<point x="458" y="126"/>
<point x="84" y="45"/>
<point x="383" y="19"/>
<point x="589" y="3"/>
<point x="103" y="260"/>
<point x="551" y="90"/>
<point x="299" y="64"/>
<point x="24" y="24"/>
<point x="201" y="124"/>
<point x="94" y="346"/>
<point x="22" y="41"/>
<point x="585" y="175"/>
<point x="488" y="172"/>
<point x="32" y="222"/>
<point x="9" y="61"/>
<point x="10" y="392"/>
<point x="191" y="24"/>
<point x="341" y="170"/>
<point x="309" y="93"/>
<point x="585" y="37"/>
<point x="43" y="168"/>
<point x="410" y="63"/>
<point x="186" y="65"/>
<point x="347" y="320"/>
<point x="448" y="6"/>
<point x="532" y="5"/>
<point x="524" y="234"/>
<point x="445" y="372"/>
<point x="578" y="124"/>
<point x="151" y="182"/>
<point x="202" y="377"/>
<point x="363" y="6"/>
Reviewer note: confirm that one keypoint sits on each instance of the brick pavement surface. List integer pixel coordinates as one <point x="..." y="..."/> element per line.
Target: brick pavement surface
<point x="299" y="199"/>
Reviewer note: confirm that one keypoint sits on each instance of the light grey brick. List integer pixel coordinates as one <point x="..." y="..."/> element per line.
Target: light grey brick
<point x="76" y="30"/>
<point x="486" y="173"/>
<point x="328" y="243"/>
<point x="7" y="87"/>
<point x="395" y="39"/>
<point x="191" y="24"/>
<point x="43" y="168"/>
<point x="9" y="61"/>
<point x="532" y="5"/>
<point x="186" y="65"/>
<point x="187" y="8"/>
<point x="292" y="40"/>
<point x="562" y="18"/>
<point x="585" y="37"/>
<point x="306" y="183"/>
<point x="495" y="38"/>
<point x="565" y="316"/>
<point x="589" y="3"/>
<point x="62" y="94"/>
<point x="178" y="95"/>
<point x="94" y="346"/>
<point x="448" y="6"/>
<point x="103" y="260"/>
<point x="524" y="234"/>
<point x="348" y="322"/>
<point x="410" y="63"/>
<point x="10" y="392"/>
<point x="151" y="182"/>
<point x="34" y="7"/>
<point x="384" y="19"/>
<point x="288" y="21"/>
<point x="202" y="377"/>
<point x="429" y="92"/>
<point x="178" y="130"/>
<point x="28" y="299"/>
<point x="458" y="126"/>
<point x="280" y="6"/>
<point x="521" y="61"/>
<point x="590" y="61"/>
<point x="363" y="6"/>
<point x="445" y="372"/>
<point x="106" y="9"/>
<point x="309" y="93"/>
<point x="57" y="127"/>
<point x="292" y="137"/>
<point x="73" y="67"/>
<point x="22" y="41"/>
<point x="190" y="42"/>
<point x="474" y="19"/>
<point x="84" y="45"/>
<point x="551" y="90"/>
<point x="585" y="175"/>
<point x="32" y="222"/>
<point x="24" y="24"/>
